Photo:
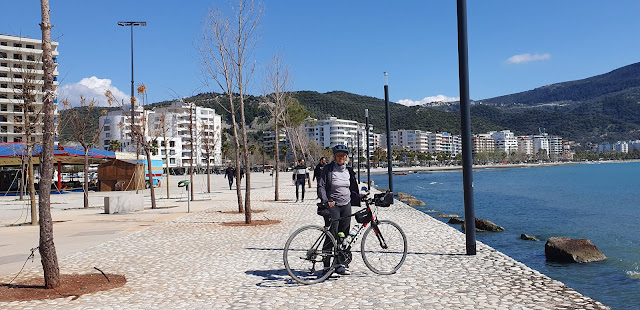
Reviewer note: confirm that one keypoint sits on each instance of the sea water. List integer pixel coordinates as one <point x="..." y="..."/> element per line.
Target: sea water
<point x="599" y="201"/>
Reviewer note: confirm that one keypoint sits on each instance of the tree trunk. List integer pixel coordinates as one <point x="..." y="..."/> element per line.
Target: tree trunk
<point x="21" y="182"/>
<point x="277" y="163"/>
<point x="191" y="161"/>
<point x="208" y="174"/>
<point x="234" y="124"/>
<point x="166" y="158"/>
<point x="47" y="248"/>
<point x="151" y="188"/>
<point x="247" y="164"/>
<point x="85" y="187"/>
<point x="32" y="191"/>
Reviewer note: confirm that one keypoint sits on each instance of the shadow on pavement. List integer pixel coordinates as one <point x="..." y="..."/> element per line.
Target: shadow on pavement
<point x="273" y="278"/>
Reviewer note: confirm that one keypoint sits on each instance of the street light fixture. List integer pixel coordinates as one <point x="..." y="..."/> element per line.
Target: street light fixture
<point x="131" y="24"/>
<point x="388" y="123"/>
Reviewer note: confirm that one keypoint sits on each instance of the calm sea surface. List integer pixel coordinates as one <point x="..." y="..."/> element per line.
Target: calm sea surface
<point x="600" y="202"/>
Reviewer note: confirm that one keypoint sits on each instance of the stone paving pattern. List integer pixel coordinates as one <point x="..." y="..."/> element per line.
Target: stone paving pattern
<point x="193" y="262"/>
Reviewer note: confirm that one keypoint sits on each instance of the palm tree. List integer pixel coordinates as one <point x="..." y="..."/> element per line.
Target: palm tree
<point x="115" y="145"/>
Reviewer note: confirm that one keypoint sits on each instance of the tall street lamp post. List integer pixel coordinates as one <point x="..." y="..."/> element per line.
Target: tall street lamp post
<point x="131" y="24"/>
<point x="465" y="115"/>
<point x="388" y="121"/>
<point x="366" y="116"/>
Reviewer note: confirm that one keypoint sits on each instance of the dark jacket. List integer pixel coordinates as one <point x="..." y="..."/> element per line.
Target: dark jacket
<point x="230" y="173"/>
<point x="324" y="184"/>
<point x="300" y="173"/>
<point x="317" y="172"/>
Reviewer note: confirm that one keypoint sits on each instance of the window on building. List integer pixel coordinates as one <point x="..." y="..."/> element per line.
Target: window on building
<point x="107" y="128"/>
<point x="3" y="55"/>
<point x="172" y="160"/>
<point x="172" y="152"/>
<point x="17" y="139"/>
<point x="17" y="56"/>
<point x="4" y="139"/>
<point x="3" y="43"/>
<point x="3" y="118"/>
<point x="4" y="129"/>
<point x="19" y="66"/>
<point x="3" y="64"/>
<point x="17" y="129"/>
<point x="3" y="74"/>
<point x="163" y="152"/>
<point x="4" y="86"/>
<point x="17" y="76"/>
<point x="172" y="143"/>
<point x="31" y="58"/>
<point x="31" y="46"/>
<point x="17" y="45"/>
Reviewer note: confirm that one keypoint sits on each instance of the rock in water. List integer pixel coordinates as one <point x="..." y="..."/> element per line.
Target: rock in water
<point x="455" y="221"/>
<point x="567" y="250"/>
<point x="527" y="237"/>
<point x="447" y="215"/>
<point x="484" y="225"/>
<point x="414" y="202"/>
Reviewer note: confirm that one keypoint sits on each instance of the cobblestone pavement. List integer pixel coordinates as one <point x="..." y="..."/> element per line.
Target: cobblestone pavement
<point x="193" y="262"/>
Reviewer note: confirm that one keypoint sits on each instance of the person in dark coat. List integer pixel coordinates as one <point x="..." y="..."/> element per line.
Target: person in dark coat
<point x="230" y="174"/>
<point x="299" y="176"/>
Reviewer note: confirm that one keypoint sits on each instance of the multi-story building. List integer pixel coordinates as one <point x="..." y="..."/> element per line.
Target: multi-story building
<point x="634" y="145"/>
<point x="207" y="132"/>
<point x="483" y="143"/>
<point x="413" y="140"/>
<point x="333" y="131"/>
<point x="22" y="76"/>
<point x="541" y="142"/>
<point x="525" y="145"/>
<point x="269" y="139"/>
<point x="621" y="147"/>
<point x="505" y="141"/>
<point x="555" y="146"/>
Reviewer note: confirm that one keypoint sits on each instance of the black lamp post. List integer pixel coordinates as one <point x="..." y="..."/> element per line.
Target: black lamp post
<point x="366" y="116"/>
<point x="358" y="142"/>
<point x="465" y="114"/>
<point x="131" y="24"/>
<point x="388" y="121"/>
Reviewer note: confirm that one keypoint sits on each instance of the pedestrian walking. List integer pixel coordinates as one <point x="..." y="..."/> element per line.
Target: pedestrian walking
<point x="230" y="174"/>
<point x="299" y="176"/>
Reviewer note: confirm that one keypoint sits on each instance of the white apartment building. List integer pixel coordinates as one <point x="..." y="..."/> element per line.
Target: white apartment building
<point x="116" y="125"/>
<point x="555" y="146"/>
<point x="20" y="67"/>
<point x="333" y="131"/>
<point x="525" y="145"/>
<point x="207" y="127"/>
<point x="505" y="141"/>
<point x="540" y="142"/>
<point x="621" y="147"/>
<point x="634" y="145"/>
<point x="269" y="138"/>
<point x="413" y="140"/>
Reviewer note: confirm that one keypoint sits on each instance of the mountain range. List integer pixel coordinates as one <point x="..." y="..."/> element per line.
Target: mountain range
<point x="605" y="107"/>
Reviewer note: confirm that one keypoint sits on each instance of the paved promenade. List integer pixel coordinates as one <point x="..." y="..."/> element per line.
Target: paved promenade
<point x="176" y="260"/>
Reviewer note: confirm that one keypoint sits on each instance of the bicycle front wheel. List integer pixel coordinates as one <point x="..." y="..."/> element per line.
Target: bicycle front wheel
<point x="306" y="251"/>
<point x="384" y="247"/>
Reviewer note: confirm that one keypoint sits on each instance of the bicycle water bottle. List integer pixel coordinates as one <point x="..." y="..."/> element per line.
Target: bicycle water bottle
<point x="354" y="231"/>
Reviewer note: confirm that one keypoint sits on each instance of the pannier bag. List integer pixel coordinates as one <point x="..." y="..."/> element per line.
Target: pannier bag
<point x="383" y="199"/>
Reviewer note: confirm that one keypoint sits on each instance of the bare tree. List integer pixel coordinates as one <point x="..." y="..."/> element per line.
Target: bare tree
<point x="226" y="51"/>
<point x="80" y="120"/>
<point x="47" y="249"/>
<point x="276" y="90"/>
<point x="26" y="94"/>
<point x="210" y="139"/>
<point x="164" y="128"/>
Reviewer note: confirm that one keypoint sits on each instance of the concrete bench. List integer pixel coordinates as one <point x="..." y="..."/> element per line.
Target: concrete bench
<point x="123" y="203"/>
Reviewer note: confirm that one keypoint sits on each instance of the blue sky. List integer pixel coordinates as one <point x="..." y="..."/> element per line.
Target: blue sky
<point x="343" y="45"/>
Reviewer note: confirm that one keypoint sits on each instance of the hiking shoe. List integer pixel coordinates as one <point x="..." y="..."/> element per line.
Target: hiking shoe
<point x="296" y="200"/>
<point x="342" y="271"/>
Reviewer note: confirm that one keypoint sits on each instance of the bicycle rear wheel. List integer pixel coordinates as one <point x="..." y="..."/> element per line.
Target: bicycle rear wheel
<point x="384" y="250"/>
<point x="305" y="251"/>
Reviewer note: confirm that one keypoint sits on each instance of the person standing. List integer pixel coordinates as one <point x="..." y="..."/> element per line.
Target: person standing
<point x="338" y="191"/>
<point x="318" y="170"/>
<point x="229" y="173"/>
<point x="299" y="176"/>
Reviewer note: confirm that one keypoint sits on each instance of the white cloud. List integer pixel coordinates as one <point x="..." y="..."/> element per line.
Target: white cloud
<point x="90" y="88"/>
<point x="438" y="98"/>
<point x="525" y="58"/>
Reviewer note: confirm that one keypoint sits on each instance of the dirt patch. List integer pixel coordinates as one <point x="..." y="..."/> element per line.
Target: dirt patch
<point x="70" y="285"/>
<point x="253" y="223"/>
<point x="236" y="212"/>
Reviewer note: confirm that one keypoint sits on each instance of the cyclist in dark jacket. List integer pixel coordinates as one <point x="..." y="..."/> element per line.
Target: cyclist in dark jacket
<point x="338" y="190"/>
<point x="299" y="176"/>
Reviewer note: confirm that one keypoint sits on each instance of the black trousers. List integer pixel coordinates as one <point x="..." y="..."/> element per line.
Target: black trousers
<point x="342" y="225"/>
<point x="230" y="182"/>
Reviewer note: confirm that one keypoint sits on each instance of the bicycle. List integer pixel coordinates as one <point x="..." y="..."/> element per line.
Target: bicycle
<point x="309" y="246"/>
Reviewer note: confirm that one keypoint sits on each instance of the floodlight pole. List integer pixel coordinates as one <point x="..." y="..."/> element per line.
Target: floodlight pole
<point x="465" y="126"/>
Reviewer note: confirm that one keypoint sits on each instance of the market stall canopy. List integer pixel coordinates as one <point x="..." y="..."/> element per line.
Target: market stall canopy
<point x="11" y="154"/>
